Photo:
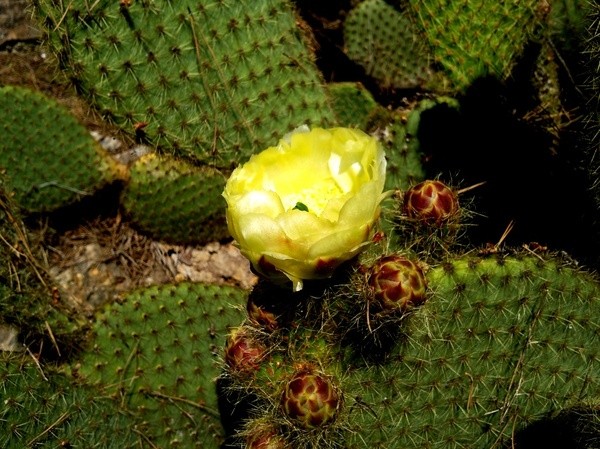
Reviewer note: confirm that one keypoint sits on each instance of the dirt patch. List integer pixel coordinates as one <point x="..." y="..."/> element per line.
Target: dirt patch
<point x="98" y="261"/>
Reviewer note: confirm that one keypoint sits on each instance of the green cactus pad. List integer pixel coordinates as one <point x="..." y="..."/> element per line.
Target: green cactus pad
<point x="399" y="132"/>
<point x="501" y="342"/>
<point x="352" y="104"/>
<point x="387" y="45"/>
<point x="48" y="159"/>
<point x="175" y="201"/>
<point x="45" y="409"/>
<point x="158" y="353"/>
<point x="475" y="38"/>
<point x="567" y="20"/>
<point x="216" y="81"/>
<point x="403" y="155"/>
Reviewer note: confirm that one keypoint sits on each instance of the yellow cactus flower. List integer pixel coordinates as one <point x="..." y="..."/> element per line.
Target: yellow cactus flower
<point x="299" y="209"/>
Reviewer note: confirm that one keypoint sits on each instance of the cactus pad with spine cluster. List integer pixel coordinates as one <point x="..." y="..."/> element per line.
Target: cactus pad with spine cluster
<point x="352" y="104"/>
<point x="387" y="44"/>
<point x="47" y="158"/>
<point x="46" y="409"/>
<point x="502" y="341"/>
<point x="475" y="38"/>
<point x="158" y="354"/>
<point x="213" y="80"/>
<point x="174" y="200"/>
<point x="399" y="132"/>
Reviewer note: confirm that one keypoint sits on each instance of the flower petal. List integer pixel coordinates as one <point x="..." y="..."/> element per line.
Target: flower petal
<point x="361" y="208"/>
<point x="343" y="244"/>
<point x="304" y="227"/>
<point x="261" y="234"/>
<point x="293" y="269"/>
<point x="258" y="202"/>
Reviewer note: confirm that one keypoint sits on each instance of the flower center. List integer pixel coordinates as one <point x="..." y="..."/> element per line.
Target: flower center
<point x="315" y="197"/>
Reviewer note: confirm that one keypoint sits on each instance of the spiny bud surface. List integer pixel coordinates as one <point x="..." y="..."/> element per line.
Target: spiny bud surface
<point x="243" y="352"/>
<point x="310" y="399"/>
<point x="397" y="283"/>
<point x="266" y="439"/>
<point x="432" y="202"/>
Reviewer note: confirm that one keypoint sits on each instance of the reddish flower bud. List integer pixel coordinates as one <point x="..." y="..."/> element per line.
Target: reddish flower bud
<point x="397" y="283"/>
<point x="271" y="307"/>
<point x="262" y="315"/>
<point x="266" y="438"/>
<point x="432" y="202"/>
<point x="310" y="399"/>
<point x="243" y="353"/>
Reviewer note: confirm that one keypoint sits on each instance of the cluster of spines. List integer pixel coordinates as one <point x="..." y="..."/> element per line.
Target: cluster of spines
<point x="208" y="80"/>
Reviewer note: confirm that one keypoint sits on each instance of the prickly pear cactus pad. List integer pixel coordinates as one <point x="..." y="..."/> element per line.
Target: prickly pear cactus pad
<point x="48" y="159"/>
<point x="216" y="80"/>
<point x="175" y="201"/>
<point x="388" y="45"/>
<point x="502" y="342"/>
<point x="399" y="132"/>
<point x="158" y="354"/>
<point x="45" y="409"/>
<point x="474" y="38"/>
<point x="352" y="103"/>
<point x="497" y="342"/>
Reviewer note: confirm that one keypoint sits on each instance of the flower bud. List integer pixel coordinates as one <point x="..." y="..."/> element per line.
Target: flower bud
<point x="431" y="202"/>
<point x="262" y="315"/>
<point x="270" y="307"/>
<point x="310" y="399"/>
<point x="266" y="438"/>
<point x="243" y="353"/>
<point x="397" y="283"/>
